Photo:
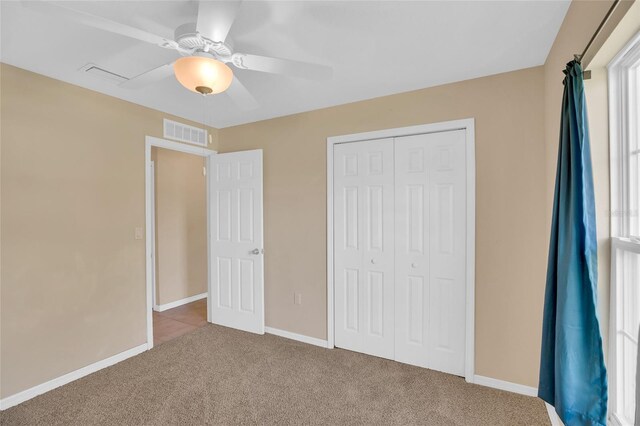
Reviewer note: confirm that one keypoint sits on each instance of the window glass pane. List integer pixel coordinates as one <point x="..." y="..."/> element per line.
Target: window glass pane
<point x="625" y="191"/>
<point x="634" y="154"/>
<point x="634" y="143"/>
<point x="630" y="292"/>
<point x="634" y="194"/>
<point x="628" y="301"/>
<point x="630" y="350"/>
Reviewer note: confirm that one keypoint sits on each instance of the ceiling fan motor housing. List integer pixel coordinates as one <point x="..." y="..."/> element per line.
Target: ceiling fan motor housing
<point x="190" y="41"/>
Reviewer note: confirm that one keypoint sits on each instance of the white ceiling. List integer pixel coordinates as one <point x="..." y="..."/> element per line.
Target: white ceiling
<point x="375" y="49"/>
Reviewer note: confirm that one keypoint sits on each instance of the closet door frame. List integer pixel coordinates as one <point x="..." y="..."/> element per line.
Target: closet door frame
<point x="468" y="125"/>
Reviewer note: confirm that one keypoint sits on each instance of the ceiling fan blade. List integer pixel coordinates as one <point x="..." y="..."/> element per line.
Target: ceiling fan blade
<point x="87" y="19"/>
<point x="215" y="18"/>
<point x="282" y="66"/>
<point x="149" y="77"/>
<point x="241" y="96"/>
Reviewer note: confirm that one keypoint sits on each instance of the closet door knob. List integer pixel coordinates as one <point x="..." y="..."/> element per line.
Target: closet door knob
<point x="414" y="266"/>
<point x="373" y="261"/>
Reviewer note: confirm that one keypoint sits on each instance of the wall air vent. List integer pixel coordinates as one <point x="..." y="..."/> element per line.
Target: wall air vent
<point x="184" y="133"/>
<point x="96" y="71"/>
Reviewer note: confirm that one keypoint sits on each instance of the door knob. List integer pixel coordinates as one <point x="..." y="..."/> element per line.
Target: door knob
<point x="255" y="251"/>
<point x="414" y="266"/>
<point x="373" y="261"/>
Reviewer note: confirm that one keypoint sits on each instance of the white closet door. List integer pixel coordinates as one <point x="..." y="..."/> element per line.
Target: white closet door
<point x="237" y="271"/>
<point x="430" y="250"/>
<point x="363" y="236"/>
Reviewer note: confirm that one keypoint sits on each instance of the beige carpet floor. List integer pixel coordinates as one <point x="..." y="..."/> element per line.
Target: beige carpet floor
<point x="216" y="375"/>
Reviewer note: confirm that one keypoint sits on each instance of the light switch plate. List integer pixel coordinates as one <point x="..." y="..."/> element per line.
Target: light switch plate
<point x="297" y="298"/>
<point x="138" y="234"/>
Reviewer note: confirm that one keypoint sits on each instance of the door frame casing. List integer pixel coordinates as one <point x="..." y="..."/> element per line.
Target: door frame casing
<point x="468" y="125"/>
<point x="154" y="288"/>
<point x="149" y="209"/>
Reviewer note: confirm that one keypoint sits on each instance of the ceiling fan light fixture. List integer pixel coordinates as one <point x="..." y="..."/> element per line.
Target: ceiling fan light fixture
<point x="203" y="75"/>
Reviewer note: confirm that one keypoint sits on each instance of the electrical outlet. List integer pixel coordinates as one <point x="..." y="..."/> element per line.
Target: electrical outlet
<point x="297" y="298"/>
<point x="138" y="234"/>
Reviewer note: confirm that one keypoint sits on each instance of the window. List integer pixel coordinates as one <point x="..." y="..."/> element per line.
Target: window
<point x="624" y="113"/>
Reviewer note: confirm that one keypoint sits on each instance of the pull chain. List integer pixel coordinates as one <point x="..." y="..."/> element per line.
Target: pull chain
<point x="206" y="139"/>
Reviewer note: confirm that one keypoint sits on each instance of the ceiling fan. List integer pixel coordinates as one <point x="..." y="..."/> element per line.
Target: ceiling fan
<point x="205" y="53"/>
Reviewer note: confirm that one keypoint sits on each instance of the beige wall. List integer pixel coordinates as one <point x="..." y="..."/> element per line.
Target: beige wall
<point x="597" y="94"/>
<point x="517" y="118"/>
<point x="181" y="225"/>
<point x="597" y="110"/>
<point x="582" y="18"/>
<point x="579" y="25"/>
<point x="510" y="241"/>
<point x="72" y="189"/>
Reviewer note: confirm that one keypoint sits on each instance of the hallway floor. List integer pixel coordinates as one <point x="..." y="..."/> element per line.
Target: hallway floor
<point x="175" y="322"/>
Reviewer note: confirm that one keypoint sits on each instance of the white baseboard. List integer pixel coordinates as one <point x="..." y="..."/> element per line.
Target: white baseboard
<point x="517" y="388"/>
<point x="160" y="308"/>
<point x="25" y="395"/>
<point x="553" y="416"/>
<point x="294" y="336"/>
<point x="504" y="385"/>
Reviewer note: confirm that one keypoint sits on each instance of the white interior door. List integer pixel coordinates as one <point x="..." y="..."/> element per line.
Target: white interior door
<point x="430" y="176"/>
<point x="363" y="235"/>
<point x="236" y="246"/>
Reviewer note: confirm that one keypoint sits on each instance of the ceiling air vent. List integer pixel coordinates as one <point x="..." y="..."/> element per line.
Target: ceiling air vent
<point x="184" y="133"/>
<point x="103" y="74"/>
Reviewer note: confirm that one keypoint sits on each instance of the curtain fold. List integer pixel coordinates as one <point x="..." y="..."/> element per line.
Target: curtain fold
<point x="573" y="377"/>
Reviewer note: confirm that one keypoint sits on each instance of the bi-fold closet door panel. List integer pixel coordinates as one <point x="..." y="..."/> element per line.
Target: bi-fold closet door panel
<point x="430" y="238"/>
<point x="364" y="249"/>
<point x="399" y="247"/>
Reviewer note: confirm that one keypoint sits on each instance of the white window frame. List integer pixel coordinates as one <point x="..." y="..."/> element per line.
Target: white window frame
<point x="618" y="248"/>
<point x="624" y="104"/>
<point x="622" y="83"/>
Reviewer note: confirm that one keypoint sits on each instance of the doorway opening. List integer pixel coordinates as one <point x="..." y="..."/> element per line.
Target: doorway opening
<point x="177" y="229"/>
<point x="179" y="243"/>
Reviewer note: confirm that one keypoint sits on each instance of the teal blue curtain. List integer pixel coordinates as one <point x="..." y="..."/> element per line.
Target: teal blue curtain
<point x="573" y="377"/>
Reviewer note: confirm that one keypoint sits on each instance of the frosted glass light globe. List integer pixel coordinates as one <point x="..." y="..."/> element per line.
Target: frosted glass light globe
<point x="202" y="74"/>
